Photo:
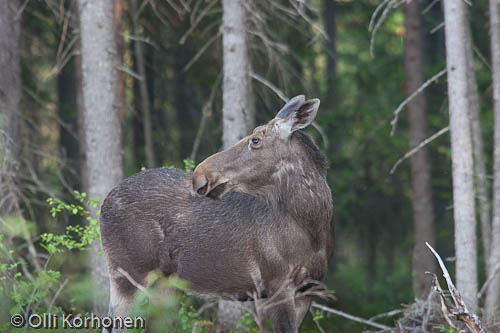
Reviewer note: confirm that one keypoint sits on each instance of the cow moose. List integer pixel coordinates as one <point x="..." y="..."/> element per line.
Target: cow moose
<point x="244" y="219"/>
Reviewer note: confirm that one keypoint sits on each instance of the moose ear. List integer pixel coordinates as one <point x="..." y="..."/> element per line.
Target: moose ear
<point x="302" y="117"/>
<point x="291" y="106"/>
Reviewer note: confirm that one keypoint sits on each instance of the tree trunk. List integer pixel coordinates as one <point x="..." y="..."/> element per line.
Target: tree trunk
<point x="493" y="294"/>
<point x="423" y="208"/>
<point x="144" y="96"/>
<point x="478" y="151"/>
<point x="237" y="107"/>
<point x="461" y="152"/>
<point x="102" y="125"/>
<point x="236" y="99"/>
<point x="10" y="100"/>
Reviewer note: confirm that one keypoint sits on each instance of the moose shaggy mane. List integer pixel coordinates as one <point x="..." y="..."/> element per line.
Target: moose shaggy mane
<point x="311" y="149"/>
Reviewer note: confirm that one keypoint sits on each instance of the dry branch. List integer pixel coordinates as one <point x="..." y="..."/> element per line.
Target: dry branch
<point x="471" y="320"/>
<point x="351" y="317"/>
<point x="132" y="281"/>
<point x="487" y="283"/>
<point x="398" y="110"/>
<point x="418" y="147"/>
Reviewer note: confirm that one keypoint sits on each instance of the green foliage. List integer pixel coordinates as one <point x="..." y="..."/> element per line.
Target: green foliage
<point x="445" y="329"/>
<point x="189" y="164"/>
<point x="76" y="237"/>
<point x="247" y="323"/>
<point x="32" y="287"/>
<point x="31" y="293"/>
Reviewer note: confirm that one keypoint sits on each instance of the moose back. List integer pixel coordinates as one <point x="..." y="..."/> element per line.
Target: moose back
<point x="253" y="219"/>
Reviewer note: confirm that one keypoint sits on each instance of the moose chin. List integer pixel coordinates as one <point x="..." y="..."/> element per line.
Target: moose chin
<point x="255" y="219"/>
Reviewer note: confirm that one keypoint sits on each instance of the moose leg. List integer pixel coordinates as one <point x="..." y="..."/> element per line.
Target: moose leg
<point x="302" y="306"/>
<point x="122" y="293"/>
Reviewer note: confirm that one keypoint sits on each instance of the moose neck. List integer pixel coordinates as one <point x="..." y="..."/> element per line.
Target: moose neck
<point x="299" y="188"/>
<point x="302" y="193"/>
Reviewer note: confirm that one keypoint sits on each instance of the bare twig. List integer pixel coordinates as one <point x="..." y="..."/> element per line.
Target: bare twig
<point x="205" y="113"/>
<point x="436" y="28"/>
<point x="271" y="86"/>
<point x="418" y="147"/>
<point x="21" y="10"/>
<point x="350" y="317"/>
<point x="203" y="49"/>
<point x="488" y="281"/>
<point x="481" y="57"/>
<point x="205" y="307"/>
<point x="324" y="137"/>
<point x="58" y="292"/>
<point x="130" y="72"/>
<point x="429" y="7"/>
<point x="391" y="4"/>
<point x="396" y="112"/>
<point x="451" y="287"/>
<point x="132" y="281"/>
<point x="197" y="21"/>
<point x="387" y="314"/>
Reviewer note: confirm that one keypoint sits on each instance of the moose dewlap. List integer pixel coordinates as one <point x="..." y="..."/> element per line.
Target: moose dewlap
<point x="253" y="219"/>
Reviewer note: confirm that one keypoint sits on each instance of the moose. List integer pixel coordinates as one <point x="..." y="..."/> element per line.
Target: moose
<point x="244" y="219"/>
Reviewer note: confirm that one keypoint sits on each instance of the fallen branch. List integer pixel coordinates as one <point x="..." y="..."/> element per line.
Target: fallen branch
<point x="351" y="317"/>
<point x="462" y="313"/>
<point x="444" y="308"/>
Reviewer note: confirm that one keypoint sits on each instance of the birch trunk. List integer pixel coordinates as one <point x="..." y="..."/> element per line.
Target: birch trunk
<point x="102" y="125"/>
<point x="10" y="99"/>
<point x="478" y="151"/>
<point x="423" y="209"/>
<point x="238" y="116"/>
<point x="461" y="152"/>
<point x="236" y="98"/>
<point x="493" y="294"/>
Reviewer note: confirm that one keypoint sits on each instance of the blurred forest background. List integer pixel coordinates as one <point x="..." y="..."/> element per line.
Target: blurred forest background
<point x="80" y="111"/>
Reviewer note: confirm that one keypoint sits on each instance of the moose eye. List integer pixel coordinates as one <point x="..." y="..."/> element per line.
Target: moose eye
<point x="255" y="142"/>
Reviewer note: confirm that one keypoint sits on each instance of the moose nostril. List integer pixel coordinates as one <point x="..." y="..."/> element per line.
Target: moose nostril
<point x="200" y="182"/>
<point x="203" y="190"/>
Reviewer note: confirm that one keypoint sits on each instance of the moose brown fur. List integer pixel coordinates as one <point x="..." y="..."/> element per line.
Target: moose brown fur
<point x="245" y="219"/>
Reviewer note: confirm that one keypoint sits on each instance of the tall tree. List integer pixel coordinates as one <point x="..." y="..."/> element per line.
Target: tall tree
<point x="102" y="125"/>
<point x="493" y="295"/>
<point x="236" y="99"/>
<point x="10" y="99"/>
<point x="461" y="151"/>
<point x="423" y="208"/>
<point x="478" y="150"/>
<point x="237" y="108"/>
